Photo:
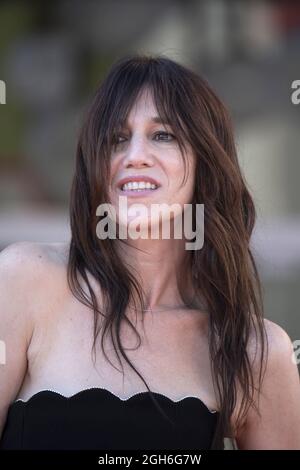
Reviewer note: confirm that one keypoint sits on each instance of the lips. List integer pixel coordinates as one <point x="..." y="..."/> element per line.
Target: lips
<point x="138" y="182"/>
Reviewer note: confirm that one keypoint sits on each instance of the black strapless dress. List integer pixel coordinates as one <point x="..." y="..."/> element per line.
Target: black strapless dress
<point x="97" y="419"/>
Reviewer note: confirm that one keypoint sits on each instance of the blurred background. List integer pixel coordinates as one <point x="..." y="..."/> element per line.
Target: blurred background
<point x="54" y="54"/>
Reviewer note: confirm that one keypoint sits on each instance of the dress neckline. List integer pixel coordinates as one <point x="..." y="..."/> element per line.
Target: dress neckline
<point x="133" y="396"/>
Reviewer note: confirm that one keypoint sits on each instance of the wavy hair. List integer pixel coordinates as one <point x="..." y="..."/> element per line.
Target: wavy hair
<point x="223" y="272"/>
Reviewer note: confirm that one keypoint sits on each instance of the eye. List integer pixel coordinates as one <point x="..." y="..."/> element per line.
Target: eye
<point x="165" y="134"/>
<point x="116" y="139"/>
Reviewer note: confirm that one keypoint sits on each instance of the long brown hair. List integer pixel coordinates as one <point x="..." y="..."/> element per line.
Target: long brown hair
<point x="223" y="271"/>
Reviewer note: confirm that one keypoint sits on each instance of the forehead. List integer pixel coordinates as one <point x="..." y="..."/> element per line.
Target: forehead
<point x="144" y="103"/>
<point x="144" y="108"/>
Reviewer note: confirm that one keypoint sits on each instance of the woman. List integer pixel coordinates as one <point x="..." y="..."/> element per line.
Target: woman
<point x="206" y="364"/>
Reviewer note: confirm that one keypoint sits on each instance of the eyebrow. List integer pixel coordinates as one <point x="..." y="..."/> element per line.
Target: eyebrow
<point x="155" y="119"/>
<point x="159" y="120"/>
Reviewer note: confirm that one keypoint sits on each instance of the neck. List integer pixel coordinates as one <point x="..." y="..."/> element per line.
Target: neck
<point x="160" y="266"/>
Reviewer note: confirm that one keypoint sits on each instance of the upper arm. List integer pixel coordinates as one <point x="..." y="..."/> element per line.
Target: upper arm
<point x="278" y="427"/>
<point x="16" y="326"/>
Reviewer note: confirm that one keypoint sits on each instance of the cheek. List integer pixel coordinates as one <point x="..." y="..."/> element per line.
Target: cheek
<point x="113" y="180"/>
<point x="182" y="181"/>
<point x="185" y="193"/>
<point x="113" y="171"/>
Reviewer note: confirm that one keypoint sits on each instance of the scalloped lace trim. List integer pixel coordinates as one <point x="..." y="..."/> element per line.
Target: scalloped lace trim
<point x="118" y="396"/>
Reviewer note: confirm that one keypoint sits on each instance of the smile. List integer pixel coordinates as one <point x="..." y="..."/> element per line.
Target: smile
<point x="138" y="186"/>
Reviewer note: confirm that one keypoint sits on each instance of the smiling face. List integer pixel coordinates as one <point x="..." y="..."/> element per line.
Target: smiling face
<point x="146" y="163"/>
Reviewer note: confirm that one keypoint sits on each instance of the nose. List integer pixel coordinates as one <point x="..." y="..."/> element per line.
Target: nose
<point x="138" y="154"/>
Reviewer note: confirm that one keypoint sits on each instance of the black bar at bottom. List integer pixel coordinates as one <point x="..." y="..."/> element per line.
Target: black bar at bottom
<point x="134" y="459"/>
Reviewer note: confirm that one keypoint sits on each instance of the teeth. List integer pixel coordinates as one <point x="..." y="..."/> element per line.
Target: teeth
<point x="138" y="186"/>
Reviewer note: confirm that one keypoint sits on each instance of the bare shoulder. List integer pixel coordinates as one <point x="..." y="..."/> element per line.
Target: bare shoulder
<point x="278" y="346"/>
<point x="277" y="336"/>
<point x="30" y="270"/>
<point x="32" y="254"/>
<point x="26" y="284"/>
<point x="26" y="261"/>
<point x="277" y="425"/>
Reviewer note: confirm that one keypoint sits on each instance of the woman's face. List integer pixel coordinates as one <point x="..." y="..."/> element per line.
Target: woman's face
<point x="147" y="166"/>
